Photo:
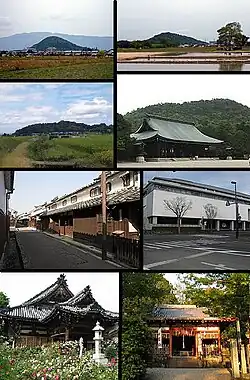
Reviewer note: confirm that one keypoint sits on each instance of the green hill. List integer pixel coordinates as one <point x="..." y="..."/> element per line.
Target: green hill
<point x="223" y="119"/>
<point x="63" y="126"/>
<point x="58" y="43"/>
<point x="164" y="39"/>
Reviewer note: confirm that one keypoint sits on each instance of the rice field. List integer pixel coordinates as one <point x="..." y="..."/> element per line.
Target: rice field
<point x="56" y="67"/>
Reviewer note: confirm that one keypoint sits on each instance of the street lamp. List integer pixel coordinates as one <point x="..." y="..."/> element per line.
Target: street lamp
<point x="236" y="209"/>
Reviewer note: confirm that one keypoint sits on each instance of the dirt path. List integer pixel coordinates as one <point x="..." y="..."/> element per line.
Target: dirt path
<point x="188" y="374"/>
<point x="137" y="54"/>
<point x="18" y="158"/>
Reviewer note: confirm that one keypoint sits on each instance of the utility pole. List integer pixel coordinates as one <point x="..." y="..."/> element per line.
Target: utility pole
<point x="104" y="215"/>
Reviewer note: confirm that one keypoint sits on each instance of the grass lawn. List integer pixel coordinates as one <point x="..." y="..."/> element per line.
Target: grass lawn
<point x="56" y="68"/>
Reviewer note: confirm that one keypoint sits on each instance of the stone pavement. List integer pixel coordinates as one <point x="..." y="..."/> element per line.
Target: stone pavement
<point x="188" y="374"/>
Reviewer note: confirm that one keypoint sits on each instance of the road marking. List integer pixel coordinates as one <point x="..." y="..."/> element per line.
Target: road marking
<point x="237" y="254"/>
<point x="148" y="266"/>
<point x="151" y="246"/>
<point x="217" y="266"/>
<point x="198" y="255"/>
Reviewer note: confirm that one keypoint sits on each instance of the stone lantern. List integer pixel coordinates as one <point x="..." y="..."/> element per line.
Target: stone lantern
<point x="98" y="356"/>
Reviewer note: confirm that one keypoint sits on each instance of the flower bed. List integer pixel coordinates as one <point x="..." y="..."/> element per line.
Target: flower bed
<point x="56" y="362"/>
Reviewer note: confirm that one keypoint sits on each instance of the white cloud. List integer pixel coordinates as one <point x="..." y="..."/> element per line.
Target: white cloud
<point x="96" y="108"/>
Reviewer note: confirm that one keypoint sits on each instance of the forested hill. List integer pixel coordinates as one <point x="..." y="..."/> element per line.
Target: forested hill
<point x="174" y="39"/>
<point x="65" y="127"/>
<point x="58" y="43"/>
<point x="223" y="119"/>
<point x="165" y="39"/>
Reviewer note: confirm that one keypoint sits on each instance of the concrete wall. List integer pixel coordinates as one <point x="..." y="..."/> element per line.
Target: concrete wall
<point x="2" y="193"/>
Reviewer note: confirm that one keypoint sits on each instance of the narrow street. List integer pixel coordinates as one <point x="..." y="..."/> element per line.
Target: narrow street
<point x="40" y="251"/>
<point x="188" y="374"/>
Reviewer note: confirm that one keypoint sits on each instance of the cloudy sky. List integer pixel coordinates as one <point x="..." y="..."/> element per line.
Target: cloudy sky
<point x="104" y="286"/>
<point x="219" y="178"/>
<point x="28" y="103"/>
<point x="46" y="185"/>
<point x="85" y="17"/>
<point x="135" y="91"/>
<point x="142" y="19"/>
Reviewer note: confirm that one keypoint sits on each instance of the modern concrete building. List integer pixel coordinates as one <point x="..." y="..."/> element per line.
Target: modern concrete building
<point x="6" y="188"/>
<point x="210" y="207"/>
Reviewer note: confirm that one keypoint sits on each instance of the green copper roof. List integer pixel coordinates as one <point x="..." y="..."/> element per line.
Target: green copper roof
<point x="155" y="126"/>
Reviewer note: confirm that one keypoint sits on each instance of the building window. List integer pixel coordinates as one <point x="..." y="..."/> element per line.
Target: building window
<point x="135" y="176"/>
<point x="64" y="203"/>
<point x="126" y="180"/>
<point x="108" y="187"/>
<point x="73" y="199"/>
<point x="54" y="206"/>
<point x="95" y="191"/>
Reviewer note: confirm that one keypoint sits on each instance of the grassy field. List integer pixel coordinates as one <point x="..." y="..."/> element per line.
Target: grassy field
<point x="90" y="151"/>
<point x="8" y="147"/>
<point x="56" y="67"/>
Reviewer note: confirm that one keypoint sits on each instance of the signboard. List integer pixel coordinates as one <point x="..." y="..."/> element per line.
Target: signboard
<point x="159" y="338"/>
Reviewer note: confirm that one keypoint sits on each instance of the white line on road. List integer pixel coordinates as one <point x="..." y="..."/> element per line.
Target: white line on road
<point x="198" y="255"/>
<point x="217" y="266"/>
<point x="148" y="266"/>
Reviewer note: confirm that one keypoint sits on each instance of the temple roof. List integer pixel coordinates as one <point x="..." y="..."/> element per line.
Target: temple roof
<point x="49" y="303"/>
<point x="155" y="126"/>
<point x="59" y="290"/>
<point x="185" y="313"/>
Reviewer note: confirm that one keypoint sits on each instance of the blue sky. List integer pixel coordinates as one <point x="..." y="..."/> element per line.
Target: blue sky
<point x="46" y="185"/>
<point x="22" y="104"/>
<point x="86" y="17"/>
<point x="215" y="178"/>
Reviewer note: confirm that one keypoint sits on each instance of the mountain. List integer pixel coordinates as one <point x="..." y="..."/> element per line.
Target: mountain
<point x="165" y="39"/>
<point x="223" y="119"/>
<point x="25" y="40"/>
<point x="175" y="39"/>
<point x="63" y="126"/>
<point x="58" y="43"/>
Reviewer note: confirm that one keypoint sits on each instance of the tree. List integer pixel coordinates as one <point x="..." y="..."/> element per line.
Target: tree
<point x="125" y="144"/>
<point x="222" y="294"/>
<point x="4" y="300"/>
<point x="231" y="36"/>
<point x="211" y="213"/>
<point x="179" y="206"/>
<point x="141" y="293"/>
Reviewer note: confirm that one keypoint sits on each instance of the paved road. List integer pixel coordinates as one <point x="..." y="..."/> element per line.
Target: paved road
<point x="188" y="374"/>
<point x="40" y="251"/>
<point x="187" y="164"/>
<point x="197" y="252"/>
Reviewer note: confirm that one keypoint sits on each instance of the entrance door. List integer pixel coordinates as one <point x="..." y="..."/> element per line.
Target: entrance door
<point x="183" y="345"/>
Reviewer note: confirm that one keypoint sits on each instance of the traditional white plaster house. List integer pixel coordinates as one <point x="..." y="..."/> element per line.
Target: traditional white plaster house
<point x="202" y="197"/>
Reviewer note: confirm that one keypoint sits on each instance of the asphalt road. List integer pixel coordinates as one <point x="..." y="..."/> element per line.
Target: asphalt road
<point x="187" y="374"/>
<point x="186" y="164"/>
<point x="40" y="251"/>
<point x="197" y="252"/>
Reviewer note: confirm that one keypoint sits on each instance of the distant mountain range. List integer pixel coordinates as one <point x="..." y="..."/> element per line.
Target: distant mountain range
<point x="25" y="40"/>
<point x="63" y="126"/>
<point x="165" y="39"/>
<point x="58" y="43"/>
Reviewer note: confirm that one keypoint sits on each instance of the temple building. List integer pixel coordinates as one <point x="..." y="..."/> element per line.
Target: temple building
<point x="211" y="207"/>
<point x="56" y="314"/>
<point x="166" y="138"/>
<point x="187" y="331"/>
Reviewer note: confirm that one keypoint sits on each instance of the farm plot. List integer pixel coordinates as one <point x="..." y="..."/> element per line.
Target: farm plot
<point x="56" y="67"/>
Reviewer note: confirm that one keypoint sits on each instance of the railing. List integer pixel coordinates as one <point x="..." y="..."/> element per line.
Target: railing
<point x="125" y="251"/>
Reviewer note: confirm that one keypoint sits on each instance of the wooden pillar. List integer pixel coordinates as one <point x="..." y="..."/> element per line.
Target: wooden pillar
<point x="196" y="344"/>
<point x="66" y="334"/>
<point x="170" y="343"/>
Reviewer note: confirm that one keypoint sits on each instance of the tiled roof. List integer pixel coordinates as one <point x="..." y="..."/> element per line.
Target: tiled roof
<point x="27" y="312"/>
<point x="188" y="312"/>
<point x="79" y="297"/>
<point x="49" y="291"/>
<point x="125" y="195"/>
